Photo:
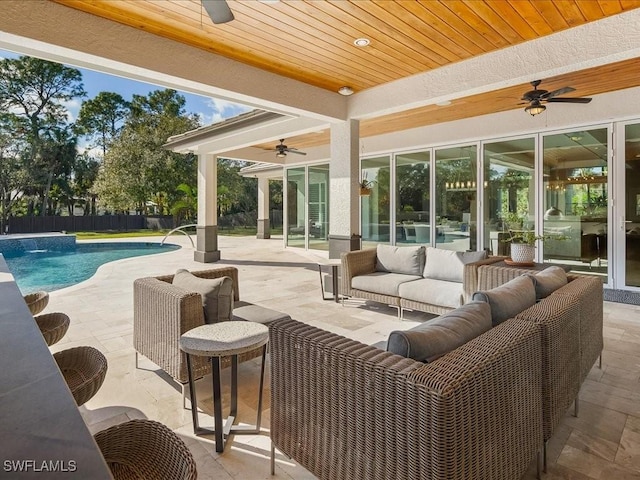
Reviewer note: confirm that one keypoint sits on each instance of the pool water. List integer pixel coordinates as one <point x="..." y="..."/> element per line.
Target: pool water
<point x="52" y="270"/>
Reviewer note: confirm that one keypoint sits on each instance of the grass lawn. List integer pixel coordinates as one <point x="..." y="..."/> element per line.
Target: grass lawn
<point x="235" y="232"/>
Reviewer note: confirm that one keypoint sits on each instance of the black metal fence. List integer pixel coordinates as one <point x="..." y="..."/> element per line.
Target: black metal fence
<point x="88" y="223"/>
<point x="124" y="223"/>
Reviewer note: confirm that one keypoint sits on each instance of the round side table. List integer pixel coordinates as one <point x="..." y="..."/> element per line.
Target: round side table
<point x="217" y="340"/>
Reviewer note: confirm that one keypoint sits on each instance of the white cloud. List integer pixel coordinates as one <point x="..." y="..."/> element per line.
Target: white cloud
<point x="222" y="109"/>
<point x="73" y="108"/>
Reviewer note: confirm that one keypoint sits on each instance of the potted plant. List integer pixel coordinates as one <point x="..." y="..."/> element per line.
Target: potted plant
<point x="365" y="187"/>
<point x="523" y="245"/>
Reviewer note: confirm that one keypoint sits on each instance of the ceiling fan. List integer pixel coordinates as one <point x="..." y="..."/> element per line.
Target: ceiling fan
<point x="535" y="98"/>
<point x="282" y="150"/>
<point x="218" y="10"/>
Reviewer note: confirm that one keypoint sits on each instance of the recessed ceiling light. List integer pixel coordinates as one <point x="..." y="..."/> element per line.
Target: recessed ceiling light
<point x="346" y="91"/>
<point x="361" y="42"/>
<point x="443" y="103"/>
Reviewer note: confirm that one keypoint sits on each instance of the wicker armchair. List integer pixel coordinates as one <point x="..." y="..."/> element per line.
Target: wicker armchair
<point x="162" y="312"/>
<point x="53" y="326"/>
<point x="145" y="449"/>
<point x="37" y="302"/>
<point x="84" y="369"/>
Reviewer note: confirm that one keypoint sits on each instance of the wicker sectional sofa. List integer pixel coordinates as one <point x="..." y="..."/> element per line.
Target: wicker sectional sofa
<point x="416" y="278"/>
<point x="345" y="410"/>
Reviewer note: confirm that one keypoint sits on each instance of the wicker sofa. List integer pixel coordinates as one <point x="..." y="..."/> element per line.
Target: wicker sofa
<point x="162" y="312"/>
<point x="414" y="289"/>
<point x="345" y="410"/>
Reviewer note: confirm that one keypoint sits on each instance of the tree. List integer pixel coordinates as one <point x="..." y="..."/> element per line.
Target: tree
<point x="12" y="175"/>
<point x="32" y="96"/>
<point x="185" y="209"/>
<point x="102" y="117"/>
<point x="137" y="168"/>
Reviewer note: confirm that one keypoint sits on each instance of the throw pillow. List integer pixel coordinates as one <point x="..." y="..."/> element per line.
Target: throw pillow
<point x="407" y="260"/>
<point x="216" y="293"/>
<point x="508" y="300"/>
<point x="548" y="281"/>
<point x="449" y="265"/>
<point x="431" y="340"/>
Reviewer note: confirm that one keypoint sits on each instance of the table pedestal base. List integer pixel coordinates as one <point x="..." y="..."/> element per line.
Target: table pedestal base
<point x="223" y="430"/>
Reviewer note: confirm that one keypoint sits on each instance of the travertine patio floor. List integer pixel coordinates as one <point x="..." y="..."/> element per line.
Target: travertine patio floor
<point x="603" y="443"/>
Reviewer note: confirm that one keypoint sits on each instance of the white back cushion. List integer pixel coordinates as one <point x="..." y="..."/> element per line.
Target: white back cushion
<point x="407" y="260"/>
<point x="447" y="264"/>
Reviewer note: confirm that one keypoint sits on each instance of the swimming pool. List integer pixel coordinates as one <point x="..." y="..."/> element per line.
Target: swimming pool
<point x="51" y="270"/>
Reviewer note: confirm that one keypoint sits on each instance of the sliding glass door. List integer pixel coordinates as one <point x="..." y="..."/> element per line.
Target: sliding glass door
<point x="412" y="197"/>
<point x="509" y="191"/>
<point x="375" y="206"/>
<point x="455" y="198"/>
<point x="296" y="202"/>
<point x="575" y="200"/>
<point x="630" y="219"/>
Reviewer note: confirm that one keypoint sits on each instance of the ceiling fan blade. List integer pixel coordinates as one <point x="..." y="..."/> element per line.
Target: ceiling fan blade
<point x="297" y="152"/>
<point x="555" y="93"/>
<point x="218" y="10"/>
<point x="569" y="100"/>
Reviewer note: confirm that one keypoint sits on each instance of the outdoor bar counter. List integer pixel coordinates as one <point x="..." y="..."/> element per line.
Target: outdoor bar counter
<point x="41" y="430"/>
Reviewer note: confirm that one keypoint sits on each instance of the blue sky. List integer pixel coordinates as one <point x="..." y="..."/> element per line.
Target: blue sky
<point x="210" y="110"/>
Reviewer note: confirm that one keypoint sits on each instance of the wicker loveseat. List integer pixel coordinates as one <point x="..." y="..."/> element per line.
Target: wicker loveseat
<point x="425" y="289"/>
<point x="162" y="312"/>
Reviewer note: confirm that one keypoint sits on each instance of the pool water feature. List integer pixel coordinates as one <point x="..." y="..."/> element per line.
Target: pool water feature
<point x="42" y="269"/>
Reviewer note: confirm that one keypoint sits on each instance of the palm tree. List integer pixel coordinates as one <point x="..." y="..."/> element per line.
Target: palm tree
<point x="185" y="209"/>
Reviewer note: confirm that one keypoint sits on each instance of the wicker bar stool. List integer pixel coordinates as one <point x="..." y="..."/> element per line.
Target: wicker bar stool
<point x="145" y="449"/>
<point x="37" y="302"/>
<point x="84" y="369"/>
<point x="53" y="326"/>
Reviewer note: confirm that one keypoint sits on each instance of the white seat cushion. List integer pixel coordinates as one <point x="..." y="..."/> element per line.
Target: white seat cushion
<point x="382" y="283"/>
<point x="433" y="292"/>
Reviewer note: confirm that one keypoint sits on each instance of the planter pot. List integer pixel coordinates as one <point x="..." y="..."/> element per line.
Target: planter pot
<point x="522" y="253"/>
<point x="365" y="191"/>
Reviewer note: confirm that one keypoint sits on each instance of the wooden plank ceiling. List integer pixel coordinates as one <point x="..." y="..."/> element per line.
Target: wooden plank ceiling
<point x="312" y="41"/>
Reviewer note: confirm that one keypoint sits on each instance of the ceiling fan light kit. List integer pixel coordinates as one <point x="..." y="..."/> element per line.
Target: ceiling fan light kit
<point x="535" y="108"/>
<point x="536" y="96"/>
<point x="281" y="150"/>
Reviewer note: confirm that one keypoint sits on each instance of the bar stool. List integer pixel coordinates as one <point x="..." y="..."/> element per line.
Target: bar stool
<point x="145" y="449"/>
<point x="37" y="301"/>
<point x="221" y="340"/>
<point x="84" y="369"/>
<point x="53" y="326"/>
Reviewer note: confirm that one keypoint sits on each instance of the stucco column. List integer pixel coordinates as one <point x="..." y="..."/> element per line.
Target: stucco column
<point x="207" y="229"/>
<point x="264" y="229"/>
<point x="344" y="174"/>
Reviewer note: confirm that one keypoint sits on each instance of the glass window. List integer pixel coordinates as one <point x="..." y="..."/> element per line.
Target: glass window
<point x="455" y="198"/>
<point x="376" y="205"/>
<point x="575" y="199"/>
<point x="509" y="193"/>
<point x="296" y="197"/>
<point x="412" y="198"/>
